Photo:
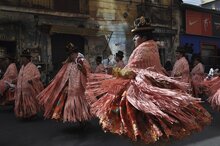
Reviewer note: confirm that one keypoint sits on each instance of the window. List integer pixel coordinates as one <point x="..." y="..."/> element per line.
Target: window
<point x="74" y="6"/>
<point x="66" y="5"/>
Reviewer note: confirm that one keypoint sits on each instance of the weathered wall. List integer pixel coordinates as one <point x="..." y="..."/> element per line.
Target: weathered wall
<point x="118" y="17"/>
<point x="107" y="15"/>
<point x="25" y="30"/>
<point x="176" y="39"/>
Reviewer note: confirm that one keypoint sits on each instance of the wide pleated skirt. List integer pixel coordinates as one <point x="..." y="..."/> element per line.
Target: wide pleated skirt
<point x="214" y="100"/>
<point x="26" y="106"/>
<point x="212" y="90"/>
<point x="150" y="108"/>
<point x="6" y="94"/>
<point x="64" y="106"/>
<point x="26" y="103"/>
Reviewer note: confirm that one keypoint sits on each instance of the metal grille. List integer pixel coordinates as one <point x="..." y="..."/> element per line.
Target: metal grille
<point x="72" y="6"/>
<point x="37" y="3"/>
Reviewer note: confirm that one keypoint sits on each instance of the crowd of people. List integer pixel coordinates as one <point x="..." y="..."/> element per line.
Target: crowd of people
<point x="141" y="99"/>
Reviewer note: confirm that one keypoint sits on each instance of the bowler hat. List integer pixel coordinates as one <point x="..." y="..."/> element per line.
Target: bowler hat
<point x="120" y="54"/>
<point x="142" y="24"/>
<point x="26" y="53"/>
<point x="71" y="48"/>
<point x="99" y="59"/>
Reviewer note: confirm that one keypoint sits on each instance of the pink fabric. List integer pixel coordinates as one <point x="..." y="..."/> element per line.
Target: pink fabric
<point x="9" y="76"/>
<point x="144" y="56"/>
<point x="100" y="69"/>
<point x="197" y="75"/>
<point x="151" y="103"/>
<point x="181" y="70"/>
<point x="150" y="106"/>
<point x="211" y="85"/>
<point x="212" y="89"/>
<point x="11" y="73"/>
<point x="215" y="100"/>
<point x="76" y="106"/>
<point x="26" y="104"/>
<point x="120" y="64"/>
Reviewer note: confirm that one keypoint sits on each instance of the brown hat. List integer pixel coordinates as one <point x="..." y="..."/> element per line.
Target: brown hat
<point x="26" y="53"/>
<point x="142" y="24"/>
<point x="71" y="48"/>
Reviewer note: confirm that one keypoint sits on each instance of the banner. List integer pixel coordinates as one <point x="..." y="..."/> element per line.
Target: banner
<point x="193" y="22"/>
<point x="198" y="23"/>
<point x="206" y="24"/>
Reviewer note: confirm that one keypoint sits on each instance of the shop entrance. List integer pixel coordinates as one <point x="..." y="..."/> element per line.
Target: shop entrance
<point x="7" y="48"/>
<point x="59" y="53"/>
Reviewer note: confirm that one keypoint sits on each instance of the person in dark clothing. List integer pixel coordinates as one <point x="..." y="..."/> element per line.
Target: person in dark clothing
<point x="168" y="66"/>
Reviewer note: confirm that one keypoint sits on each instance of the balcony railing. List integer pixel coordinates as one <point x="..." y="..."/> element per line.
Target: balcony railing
<point x="72" y="6"/>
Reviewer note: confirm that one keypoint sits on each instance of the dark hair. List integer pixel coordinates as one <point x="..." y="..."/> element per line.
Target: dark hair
<point x="71" y="48"/>
<point x="196" y="57"/>
<point x="168" y="66"/>
<point x="75" y="50"/>
<point x="181" y="50"/>
<point x="26" y="53"/>
<point x="120" y="55"/>
<point x="27" y="57"/>
<point x="148" y="35"/>
<point x="99" y="59"/>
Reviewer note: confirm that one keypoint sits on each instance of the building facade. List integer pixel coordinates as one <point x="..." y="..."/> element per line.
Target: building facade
<point x="211" y="4"/>
<point x="165" y="16"/>
<point x="97" y="27"/>
<point x="45" y="27"/>
<point x="201" y="30"/>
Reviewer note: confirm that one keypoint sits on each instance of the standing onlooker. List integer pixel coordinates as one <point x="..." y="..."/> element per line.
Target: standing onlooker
<point x="197" y="75"/>
<point x="181" y="67"/>
<point x="119" y="60"/>
<point x="27" y="88"/>
<point x="8" y="81"/>
<point x="43" y="75"/>
<point x="168" y="66"/>
<point x="100" y="67"/>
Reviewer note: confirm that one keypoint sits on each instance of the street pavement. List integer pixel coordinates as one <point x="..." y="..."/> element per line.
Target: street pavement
<point x="41" y="132"/>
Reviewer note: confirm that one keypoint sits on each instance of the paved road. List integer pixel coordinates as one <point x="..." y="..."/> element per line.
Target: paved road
<point x="40" y="132"/>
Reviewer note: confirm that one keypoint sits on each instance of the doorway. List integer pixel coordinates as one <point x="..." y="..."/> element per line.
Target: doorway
<point x="7" y="48"/>
<point x="59" y="53"/>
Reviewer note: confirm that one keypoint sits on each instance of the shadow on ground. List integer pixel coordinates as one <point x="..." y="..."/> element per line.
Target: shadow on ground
<point x="41" y="132"/>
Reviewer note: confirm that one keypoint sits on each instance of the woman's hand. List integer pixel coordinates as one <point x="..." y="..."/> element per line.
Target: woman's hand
<point x="178" y="74"/>
<point x="126" y="73"/>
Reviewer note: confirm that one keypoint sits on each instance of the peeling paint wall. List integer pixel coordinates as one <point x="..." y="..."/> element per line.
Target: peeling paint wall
<point x="117" y="17"/>
<point x="112" y="16"/>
